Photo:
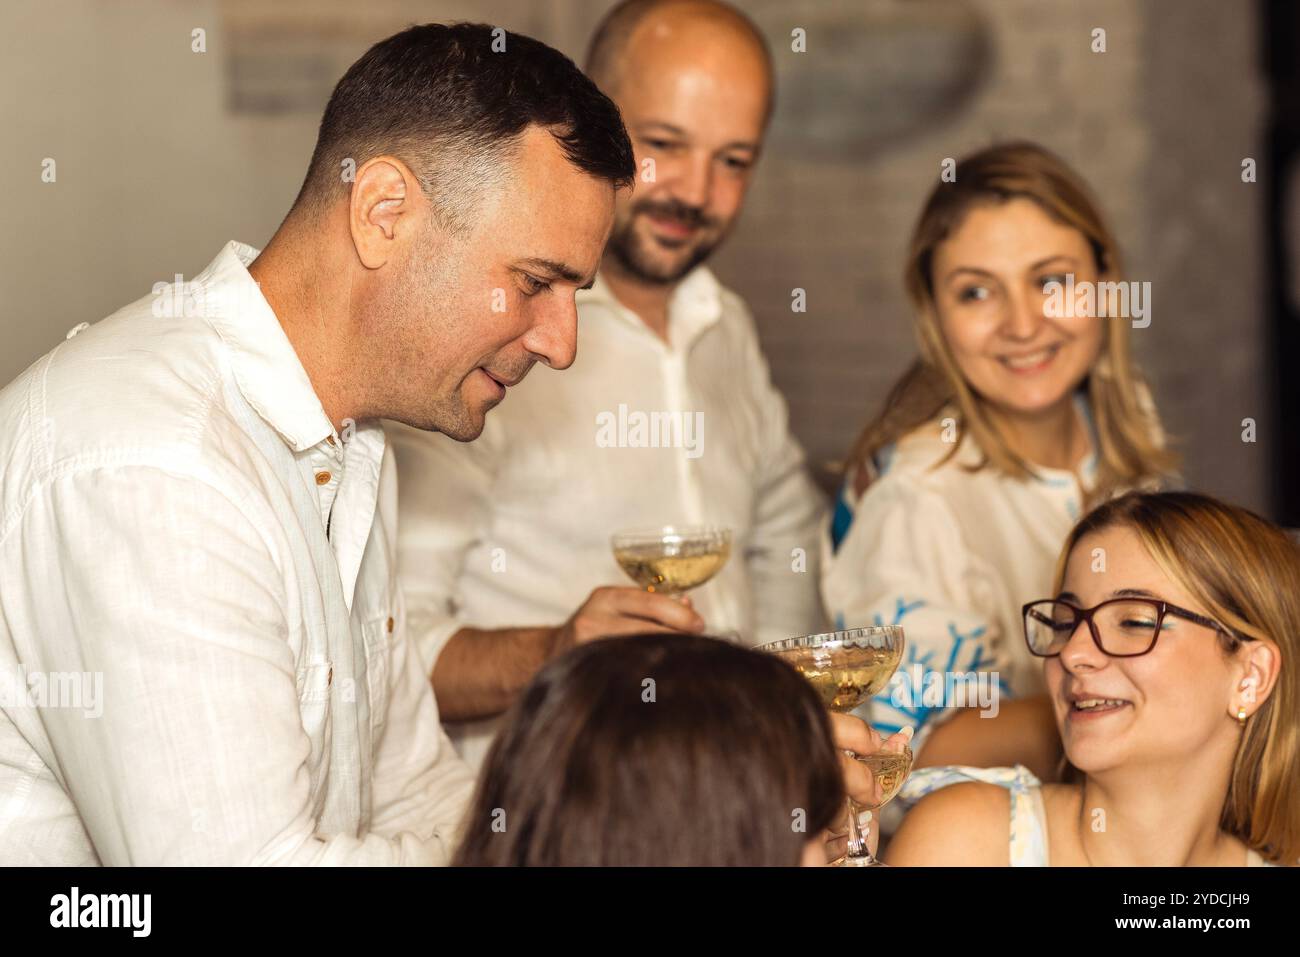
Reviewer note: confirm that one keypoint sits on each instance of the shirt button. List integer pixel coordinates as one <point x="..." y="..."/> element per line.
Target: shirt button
<point x="330" y="440"/>
<point x="323" y="478"/>
<point x="78" y="328"/>
<point x="390" y="626"/>
<point x="329" y="678"/>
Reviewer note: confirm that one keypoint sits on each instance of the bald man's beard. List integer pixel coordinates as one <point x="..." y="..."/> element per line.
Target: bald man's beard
<point x="645" y="258"/>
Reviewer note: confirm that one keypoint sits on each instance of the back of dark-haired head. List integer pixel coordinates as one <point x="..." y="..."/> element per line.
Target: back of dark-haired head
<point x="452" y="101"/>
<point x="657" y="749"/>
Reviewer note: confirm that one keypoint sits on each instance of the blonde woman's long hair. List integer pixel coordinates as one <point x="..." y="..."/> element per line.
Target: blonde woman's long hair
<point x="1130" y="451"/>
<point x="1245" y="571"/>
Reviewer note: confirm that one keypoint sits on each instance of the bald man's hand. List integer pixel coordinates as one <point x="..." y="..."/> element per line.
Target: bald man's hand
<point x="623" y="610"/>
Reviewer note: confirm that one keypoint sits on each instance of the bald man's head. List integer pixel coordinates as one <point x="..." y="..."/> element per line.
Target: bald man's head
<point x="608" y="52"/>
<point x="694" y="82"/>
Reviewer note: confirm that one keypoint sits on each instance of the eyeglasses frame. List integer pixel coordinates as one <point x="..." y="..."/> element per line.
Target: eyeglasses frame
<point x="1162" y="607"/>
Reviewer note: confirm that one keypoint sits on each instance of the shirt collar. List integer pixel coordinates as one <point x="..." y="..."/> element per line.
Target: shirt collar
<point x="695" y="305"/>
<point x="266" y="368"/>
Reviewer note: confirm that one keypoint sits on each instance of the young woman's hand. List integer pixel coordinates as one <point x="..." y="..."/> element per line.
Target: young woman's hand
<point x="855" y="735"/>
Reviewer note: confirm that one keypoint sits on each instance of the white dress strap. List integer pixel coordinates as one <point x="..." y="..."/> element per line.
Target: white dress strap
<point x="1028" y="835"/>
<point x="1256" y="859"/>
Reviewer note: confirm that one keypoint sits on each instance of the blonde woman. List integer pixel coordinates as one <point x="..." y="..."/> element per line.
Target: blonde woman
<point x="1171" y="651"/>
<point x="1020" y="411"/>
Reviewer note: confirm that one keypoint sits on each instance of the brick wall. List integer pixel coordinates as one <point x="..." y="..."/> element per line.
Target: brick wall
<point x="155" y="172"/>
<point x="1157" y="124"/>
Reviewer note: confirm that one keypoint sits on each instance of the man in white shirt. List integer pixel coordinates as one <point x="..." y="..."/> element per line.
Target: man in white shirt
<point x="667" y="416"/>
<point x="204" y="652"/>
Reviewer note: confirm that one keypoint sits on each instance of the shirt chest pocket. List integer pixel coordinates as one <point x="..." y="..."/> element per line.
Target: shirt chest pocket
<point x="377" y="634"/>
<point x="315" y="681"/>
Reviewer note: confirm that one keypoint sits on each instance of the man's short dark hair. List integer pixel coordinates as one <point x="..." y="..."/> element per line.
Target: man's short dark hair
<point x="451" y="101"/>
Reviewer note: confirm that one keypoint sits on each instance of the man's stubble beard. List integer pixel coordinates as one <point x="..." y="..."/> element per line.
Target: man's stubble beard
<point x="426" y="285"/>
<point x="631" y="251"/>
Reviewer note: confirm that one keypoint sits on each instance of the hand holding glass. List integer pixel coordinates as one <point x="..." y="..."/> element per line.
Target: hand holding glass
<point x="847" y="668"/>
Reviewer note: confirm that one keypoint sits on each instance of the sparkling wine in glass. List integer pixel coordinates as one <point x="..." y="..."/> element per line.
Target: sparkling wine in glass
<point x="672" y="559"/>
<point x="847" y="668"/>
<point x="890" y="769"/>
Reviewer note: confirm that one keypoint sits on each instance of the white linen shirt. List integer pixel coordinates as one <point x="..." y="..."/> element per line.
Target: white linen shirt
<point x="180" y="521"/>
<point x="951" y="555"/>
<point x="538" y="495"/>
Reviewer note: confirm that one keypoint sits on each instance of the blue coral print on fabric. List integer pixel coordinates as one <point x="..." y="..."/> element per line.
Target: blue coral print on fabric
<point x="965" y="654"/>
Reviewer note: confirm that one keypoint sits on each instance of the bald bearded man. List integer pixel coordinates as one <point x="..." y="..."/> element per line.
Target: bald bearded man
<point x="500" y="541"/>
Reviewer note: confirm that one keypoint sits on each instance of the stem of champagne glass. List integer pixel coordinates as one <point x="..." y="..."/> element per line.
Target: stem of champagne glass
<point x="857" y="840"/>
<point x="867" y="857"/>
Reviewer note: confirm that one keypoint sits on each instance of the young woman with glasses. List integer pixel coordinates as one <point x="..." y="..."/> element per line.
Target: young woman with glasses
<point x="1023" y="409"/>
<point x="1170" y="658"/>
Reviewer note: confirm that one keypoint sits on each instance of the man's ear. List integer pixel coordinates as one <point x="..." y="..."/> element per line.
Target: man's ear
<point x="385" y="207"/>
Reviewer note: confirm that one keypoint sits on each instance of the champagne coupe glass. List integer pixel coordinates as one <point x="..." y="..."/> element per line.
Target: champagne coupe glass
<point x="890" y="769"/>
<point x="847" y="668"/>
<point x="672" y="559"/>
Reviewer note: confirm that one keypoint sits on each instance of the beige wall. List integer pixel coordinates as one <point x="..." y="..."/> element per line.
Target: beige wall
<point x="155" y="172"/>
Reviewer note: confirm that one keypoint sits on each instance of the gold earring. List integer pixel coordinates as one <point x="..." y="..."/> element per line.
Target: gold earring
<point x="1241" y="716"/>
